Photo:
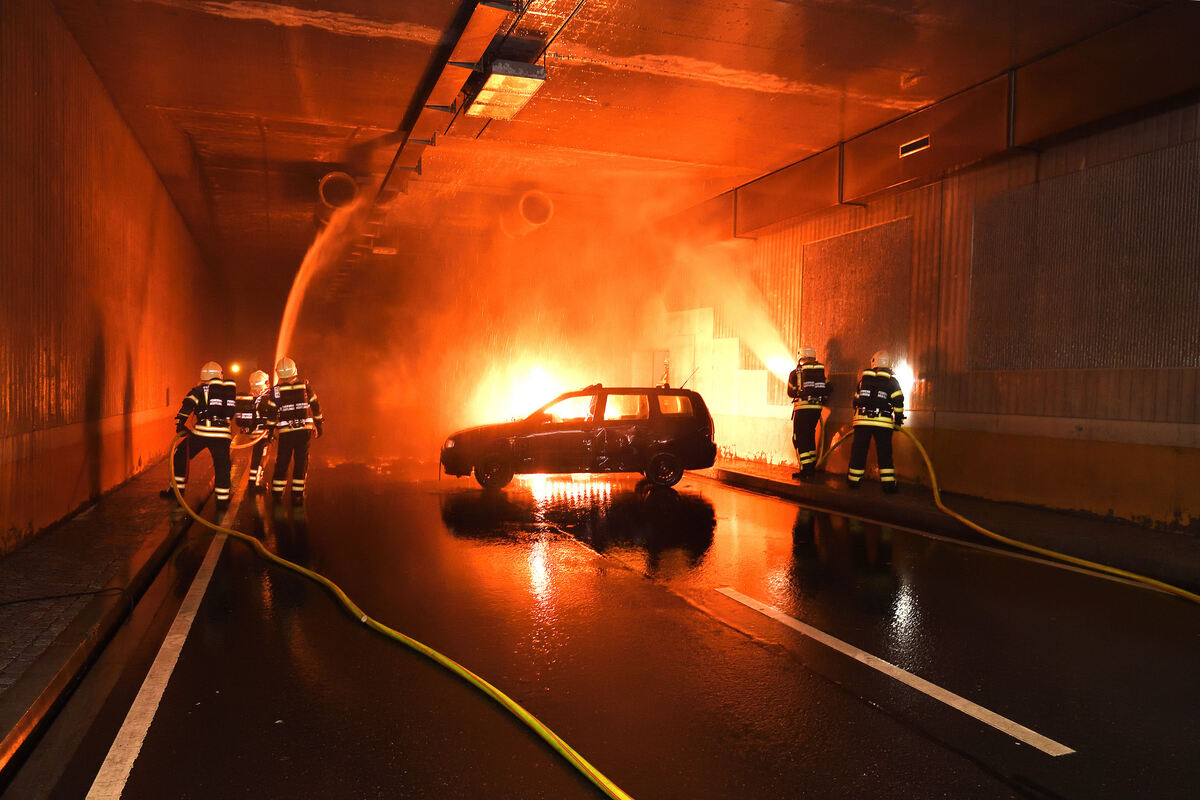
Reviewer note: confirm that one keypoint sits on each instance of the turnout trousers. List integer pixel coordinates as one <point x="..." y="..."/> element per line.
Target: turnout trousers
<point x="256" y="463"/>
<point x="804" y="436"/>
<point x="218" y="446"/>
<point x="292" y="447"/>
<point x="863" y="434"/>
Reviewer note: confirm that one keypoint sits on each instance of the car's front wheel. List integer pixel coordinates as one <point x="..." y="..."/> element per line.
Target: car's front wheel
<point x="494" y="472"/>
<point x="664" y="469"/>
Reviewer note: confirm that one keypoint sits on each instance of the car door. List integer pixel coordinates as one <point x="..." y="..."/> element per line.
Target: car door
<point x="619" y="443"/>
<point x="559" y="442"/>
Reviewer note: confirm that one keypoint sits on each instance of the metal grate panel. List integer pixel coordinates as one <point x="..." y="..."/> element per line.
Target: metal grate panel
<point x="855" y="295"/>
<point x="1096" y="269"/>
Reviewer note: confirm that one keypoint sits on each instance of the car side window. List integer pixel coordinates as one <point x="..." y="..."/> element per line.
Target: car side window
<point x="626" y="407"/>
<point x="581" y="408"/>
<point x="674" y="405"/>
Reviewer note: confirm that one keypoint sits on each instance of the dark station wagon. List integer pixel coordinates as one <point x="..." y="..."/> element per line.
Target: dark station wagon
<point x="657" y="432"/>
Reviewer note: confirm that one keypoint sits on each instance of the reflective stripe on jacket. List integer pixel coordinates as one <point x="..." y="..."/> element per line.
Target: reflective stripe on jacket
<point x="213" y="402"/>
<point x="807" y="385"/>
<point x="250" y="414"/>
<point x="878" y="398"/>
<point x="293" y="406"/>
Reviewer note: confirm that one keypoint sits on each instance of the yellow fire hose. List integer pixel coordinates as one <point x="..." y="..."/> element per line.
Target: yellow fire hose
<point x="250" y="443"/>
<point x="565" y="750"/>
<point x="1032" y="548"/>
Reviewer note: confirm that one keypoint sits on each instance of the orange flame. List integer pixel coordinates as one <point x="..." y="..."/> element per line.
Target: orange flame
<point x="516" y="390"/>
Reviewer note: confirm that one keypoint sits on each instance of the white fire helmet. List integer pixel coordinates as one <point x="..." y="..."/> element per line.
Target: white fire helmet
<point x="285" y="370"/>
<point x="259" y="381"/>
<point x="211" y="372"/>
<point x="806" y="352"/>
<point x="881" y="360"/>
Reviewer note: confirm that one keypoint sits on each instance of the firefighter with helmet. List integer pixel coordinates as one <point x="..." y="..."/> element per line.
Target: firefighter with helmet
<point x="809" y="390"/>
<point x="294" y="414"/>
<point x="212" y="403"/>
<point x="252" y="420"/>
<point x="878" y="410"/>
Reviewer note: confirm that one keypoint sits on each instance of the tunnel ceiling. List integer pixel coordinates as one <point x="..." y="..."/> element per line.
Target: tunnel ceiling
<point x="242" y="105"/>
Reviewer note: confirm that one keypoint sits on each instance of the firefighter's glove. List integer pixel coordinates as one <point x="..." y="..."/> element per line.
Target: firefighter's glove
<point x="180" y="428"/>
<point x="320" y="430"/>
<point x="899" y="417"/>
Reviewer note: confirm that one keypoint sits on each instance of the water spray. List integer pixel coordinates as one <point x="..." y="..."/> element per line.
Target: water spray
<point x="326" y="251"/>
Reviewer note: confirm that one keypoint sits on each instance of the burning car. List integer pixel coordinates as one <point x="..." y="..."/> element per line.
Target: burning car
<point x="657" y="432"/>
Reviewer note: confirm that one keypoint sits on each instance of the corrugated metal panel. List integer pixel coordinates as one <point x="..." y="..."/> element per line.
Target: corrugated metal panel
<point x="946" y="237"/>
<point x="779" y="252"/>
<point x="101" y="282"/>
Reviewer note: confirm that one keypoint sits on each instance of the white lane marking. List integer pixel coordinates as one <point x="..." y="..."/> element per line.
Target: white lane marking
<point x="114" y="773"/>
<point x="1018" y="732"/>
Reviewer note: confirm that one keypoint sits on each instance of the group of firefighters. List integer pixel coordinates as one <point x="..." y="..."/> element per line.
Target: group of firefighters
<point x="287" y="410"/>
<point x="878" y="410"/>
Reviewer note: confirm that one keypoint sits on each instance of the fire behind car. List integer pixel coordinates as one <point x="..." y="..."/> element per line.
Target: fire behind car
<point x="657" y="432"/>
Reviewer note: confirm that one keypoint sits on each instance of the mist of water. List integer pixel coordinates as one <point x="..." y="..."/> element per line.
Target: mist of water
<point x="720" y="277"/>
<point x="467" y="326"/>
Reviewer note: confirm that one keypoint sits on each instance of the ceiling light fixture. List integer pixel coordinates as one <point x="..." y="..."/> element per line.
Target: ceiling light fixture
<point x="508" y="88"/>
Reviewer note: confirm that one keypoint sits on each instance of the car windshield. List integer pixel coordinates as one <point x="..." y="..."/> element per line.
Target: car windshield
<point x="579" y="408"/>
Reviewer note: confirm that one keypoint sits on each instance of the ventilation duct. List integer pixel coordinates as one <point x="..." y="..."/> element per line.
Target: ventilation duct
<point x="336" y="190"/>
<point x="532" y="210"/>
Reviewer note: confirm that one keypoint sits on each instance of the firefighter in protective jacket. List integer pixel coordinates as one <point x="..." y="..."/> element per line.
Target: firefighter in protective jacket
<point x="294" y="413"/>
<point x="878" y="410"/>
<point x="252" y="421"/>
<point x="809" y="390"/>
<point x="212" y="403"/>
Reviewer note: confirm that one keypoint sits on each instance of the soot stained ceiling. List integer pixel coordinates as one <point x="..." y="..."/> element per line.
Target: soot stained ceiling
<point x="242" y="105"/>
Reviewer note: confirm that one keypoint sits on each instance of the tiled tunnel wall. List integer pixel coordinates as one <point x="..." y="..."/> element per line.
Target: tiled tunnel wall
<point x="101" y="288"/>
<point x="1047" y="304"/>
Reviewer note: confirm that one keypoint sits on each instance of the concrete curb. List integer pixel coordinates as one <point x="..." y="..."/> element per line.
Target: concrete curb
<point x="30" y="702"/>
<point x="1173" y="558"/>
<point x="842" y="501"/>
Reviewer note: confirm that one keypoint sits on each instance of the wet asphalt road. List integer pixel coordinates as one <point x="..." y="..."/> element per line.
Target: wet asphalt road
<point x="593" y="603"/>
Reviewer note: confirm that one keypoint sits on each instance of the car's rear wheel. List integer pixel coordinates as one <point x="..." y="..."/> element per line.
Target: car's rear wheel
<point x="664" y="469"/>
<point x="494" y="472"/>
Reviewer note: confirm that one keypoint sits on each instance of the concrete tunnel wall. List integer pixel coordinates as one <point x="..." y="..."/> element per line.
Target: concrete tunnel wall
<point x="101" y="289"/>
<point x="1048" y="305"/>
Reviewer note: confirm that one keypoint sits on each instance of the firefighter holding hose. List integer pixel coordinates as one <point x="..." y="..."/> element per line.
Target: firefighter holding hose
<point x="212" y="403"/>
<point x="809" y="390"/>
<point x="878" y="410"/>
<point x="294" y="413"/>
<point x="252" y="421"/>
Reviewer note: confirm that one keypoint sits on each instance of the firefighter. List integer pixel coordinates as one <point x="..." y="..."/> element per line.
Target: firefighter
<point x="251" y="419"/>
<point x="294" y="413"/>
<point x="809" y="390"/>
<point x="212" y="402"/>
<point x="878" y="410"/>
